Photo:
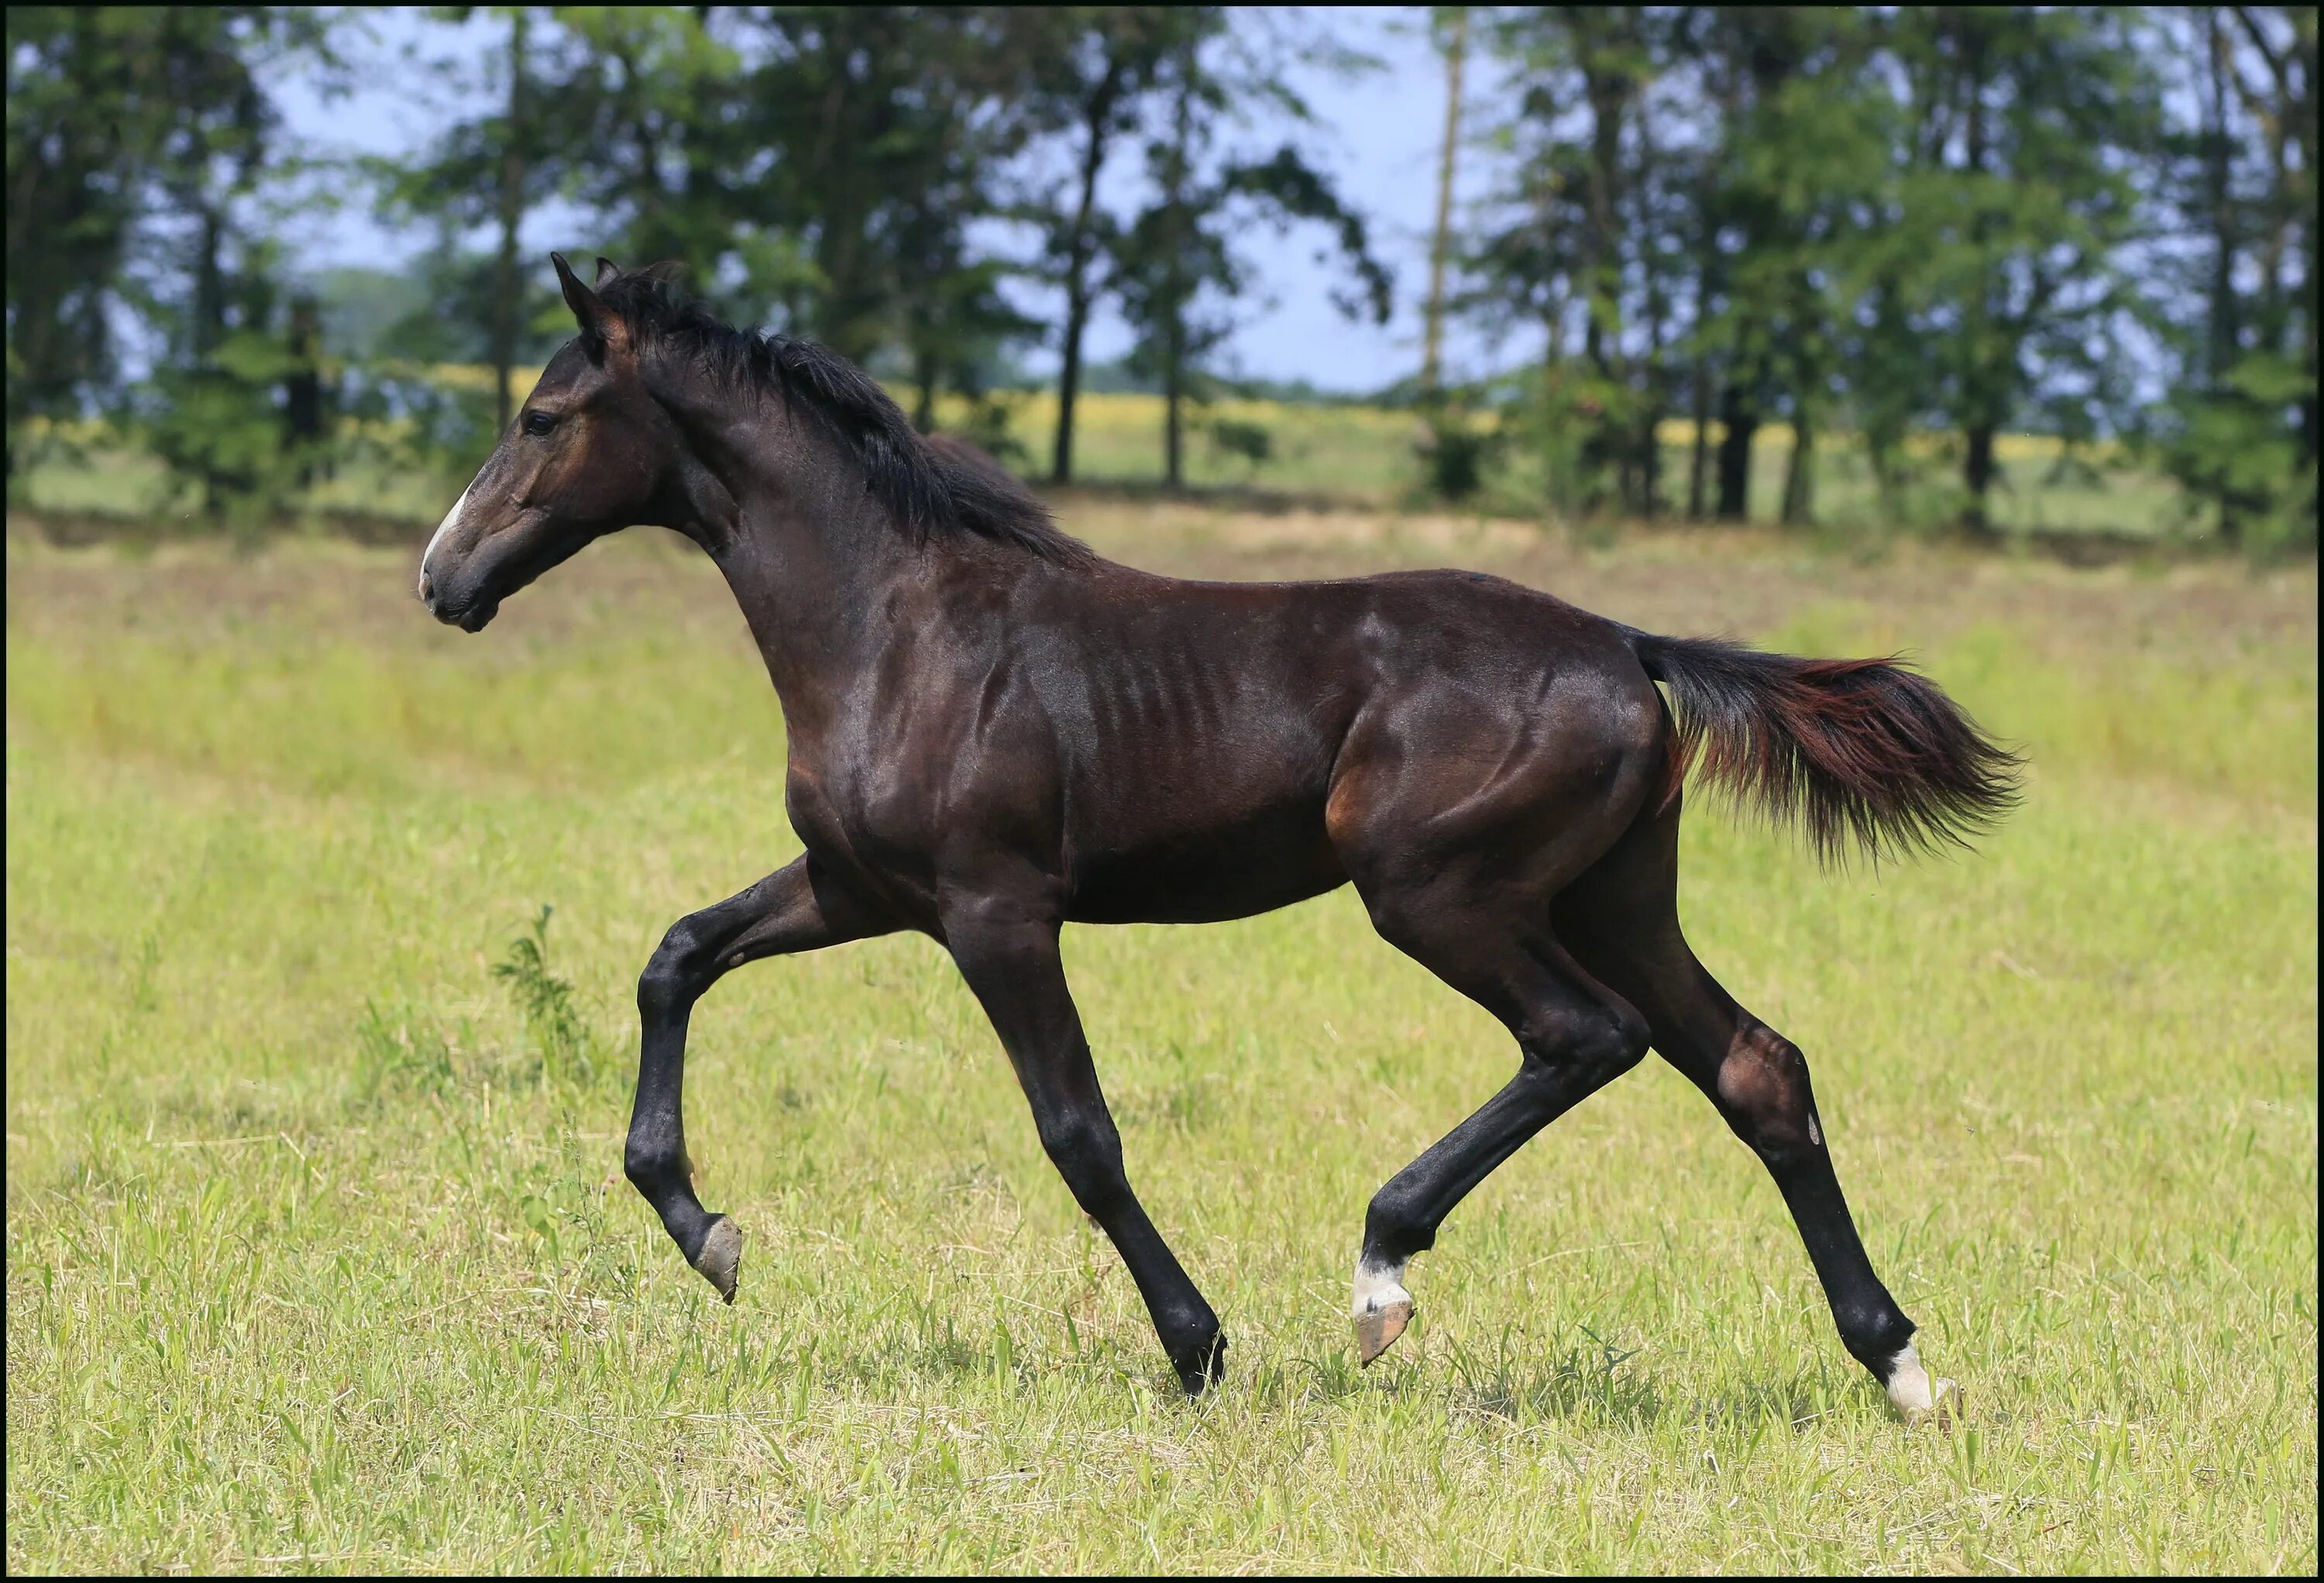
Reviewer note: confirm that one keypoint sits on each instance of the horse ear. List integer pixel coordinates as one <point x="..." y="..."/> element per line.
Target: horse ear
<point x="596" y="321"/>
<point x="606" y="271"/>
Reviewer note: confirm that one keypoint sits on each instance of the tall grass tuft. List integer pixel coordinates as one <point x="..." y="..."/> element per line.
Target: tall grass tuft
<point x="569" y="1050"/>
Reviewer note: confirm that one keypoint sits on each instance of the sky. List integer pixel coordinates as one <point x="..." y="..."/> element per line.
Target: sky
<point x="1380" y="135"/>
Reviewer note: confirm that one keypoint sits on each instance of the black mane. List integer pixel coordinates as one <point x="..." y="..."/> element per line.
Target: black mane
<point x="930" y="488"/>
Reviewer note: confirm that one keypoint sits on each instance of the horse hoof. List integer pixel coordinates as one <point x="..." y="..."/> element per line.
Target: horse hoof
<point x="720" y="1257"/>
<point x="1378" y="1329"/>
<point x="1944" y="1400"/>
<point x="1207" y="1366"/>
<point x="1917" y="1397"/>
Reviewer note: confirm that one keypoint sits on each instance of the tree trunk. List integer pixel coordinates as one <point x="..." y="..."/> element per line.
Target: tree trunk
<point x="1977" y="466"/>
<point x="507" y="286"/>
<point x="1977" y="473"/>
<point x="1456" y="48"/>
<point x="1069" y="383"/>
<point x="1735" y="455"/>
<point x="1652" y="377"/>
<point x="1799" y="476"/>
<point x="1699" y="460"/>
<point x="2220" y="336"/>
<point x="1174" y="333"/>
<point x="1708" y="280"/>
<point x="1098" y="118"/>
<point x="846" y="311"/>
<point x="210" y="329"/>
<point x="1608" y="95"/>
<point x="924" y="376"/>
<point x="2300" y="114"/>
<point x="1649" y="453"/>
<point x="1886" y="478"/>
<point x="1599" y="270"/>
<point x="1173" y="471"/>
<point x="2221" y="340"/>
<point x="302" y="388"/>
<point x="209" y="285"/>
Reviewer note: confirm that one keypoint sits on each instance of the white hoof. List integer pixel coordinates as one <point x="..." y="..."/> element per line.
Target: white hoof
<point x="1382" y="1309"/>
<point x="1917" y="1397"/>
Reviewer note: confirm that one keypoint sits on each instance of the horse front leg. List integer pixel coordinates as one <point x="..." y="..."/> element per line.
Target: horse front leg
<point x="800" y="907"/>
<point x="1010" y="958"/>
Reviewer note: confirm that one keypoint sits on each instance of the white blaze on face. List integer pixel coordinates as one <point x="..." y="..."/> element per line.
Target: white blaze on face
<point x="1379" y="1287"/>
<point x="451" y="518"/>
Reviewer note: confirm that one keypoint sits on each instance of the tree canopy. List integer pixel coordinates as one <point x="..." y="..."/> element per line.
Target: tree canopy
<point x="1906" y="230"/>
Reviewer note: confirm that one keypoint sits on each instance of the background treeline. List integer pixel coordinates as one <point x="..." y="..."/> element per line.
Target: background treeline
<point x="1890" y="238"/>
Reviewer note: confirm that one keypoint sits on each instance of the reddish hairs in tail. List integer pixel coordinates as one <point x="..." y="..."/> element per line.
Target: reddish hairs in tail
<point x="1856" y="752"/>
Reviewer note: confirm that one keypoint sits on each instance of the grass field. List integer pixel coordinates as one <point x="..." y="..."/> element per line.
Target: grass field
<point x="318" y="1255"/>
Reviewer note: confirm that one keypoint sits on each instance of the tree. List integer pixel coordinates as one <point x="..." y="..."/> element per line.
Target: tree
<point x="1095" y="68"/>
<point x="839" y="153"/>
<point x="1905" y="217"/>
<point x="1175" y="268"/>
<point x="1577" y="239"/>
<point x="1813" y="178"/>
<point x="825" y="166"/>
<point x="133" y="135"/>
<point x="666" y="142"/>
<point x="952" y="318"/>
<point x="2239" y="431"/>
<point x="86" y="113"/>
<point x="1778" y="191"/>
<point x="1453" y="41"/>
<point x="2030" y="127"/>
<point x="492" y="169"/>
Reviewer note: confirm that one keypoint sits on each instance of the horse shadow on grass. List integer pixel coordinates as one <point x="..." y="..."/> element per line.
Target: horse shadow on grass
<point x="1584" y="1382"/>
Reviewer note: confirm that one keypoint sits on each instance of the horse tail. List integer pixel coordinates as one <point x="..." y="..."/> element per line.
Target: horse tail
<point x="1855" y="752"/>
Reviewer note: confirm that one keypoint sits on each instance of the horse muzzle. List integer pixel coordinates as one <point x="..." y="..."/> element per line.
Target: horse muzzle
<point x="469" y="614"/>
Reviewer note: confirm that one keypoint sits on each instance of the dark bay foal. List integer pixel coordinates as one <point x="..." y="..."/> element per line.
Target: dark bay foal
<point x="993" y="732"/>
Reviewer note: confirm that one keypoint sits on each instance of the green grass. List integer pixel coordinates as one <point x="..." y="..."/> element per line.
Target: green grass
<point x="319" y="1257"/>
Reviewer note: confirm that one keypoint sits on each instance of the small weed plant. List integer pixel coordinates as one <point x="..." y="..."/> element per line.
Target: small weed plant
<point x="569" y="1051"/>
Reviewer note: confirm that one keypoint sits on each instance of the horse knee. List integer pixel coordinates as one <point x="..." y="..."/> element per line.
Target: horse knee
<point x="1762" y="1086"/>
<point x="673" y="977"/>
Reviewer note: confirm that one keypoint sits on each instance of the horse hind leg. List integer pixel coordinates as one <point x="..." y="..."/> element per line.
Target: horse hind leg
<point x="1460" y="878"/>
<point x="1760" y="1085"/>
<point x="1573" y="1038"/>
<point x="1622" y="916"/>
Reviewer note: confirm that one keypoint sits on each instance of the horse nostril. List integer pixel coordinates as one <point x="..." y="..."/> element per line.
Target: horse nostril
<point x="427" y="589"/>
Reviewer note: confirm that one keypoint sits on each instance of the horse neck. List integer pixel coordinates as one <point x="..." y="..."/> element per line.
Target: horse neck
<point x="822" y="575"/>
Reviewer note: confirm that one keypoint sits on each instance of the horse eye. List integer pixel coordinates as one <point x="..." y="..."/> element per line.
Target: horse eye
<point x="540" y="423"/>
